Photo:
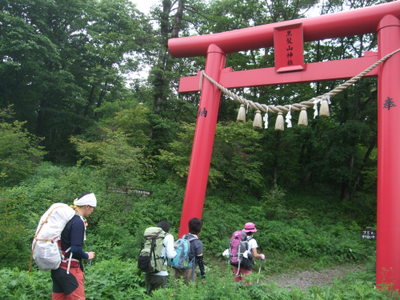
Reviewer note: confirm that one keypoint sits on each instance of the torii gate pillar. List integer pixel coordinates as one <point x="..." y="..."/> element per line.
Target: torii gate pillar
<point x="203" y="140"/>
<point x="388" y="211"/>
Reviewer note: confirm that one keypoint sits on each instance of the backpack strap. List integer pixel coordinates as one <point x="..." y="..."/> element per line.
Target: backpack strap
<point x="165" y="247"/>
<point x="249" y="238"/>
<point x="166" y="234"/>
<point x="190" y="237"/>
<point x="152" y="250"/>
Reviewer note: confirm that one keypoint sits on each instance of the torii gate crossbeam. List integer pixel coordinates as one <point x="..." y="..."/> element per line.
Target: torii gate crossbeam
<point x="382" y="19"/>
<point x="330" y="70"/>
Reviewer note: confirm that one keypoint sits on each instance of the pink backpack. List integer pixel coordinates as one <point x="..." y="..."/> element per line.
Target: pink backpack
<point x="238" y="245"/>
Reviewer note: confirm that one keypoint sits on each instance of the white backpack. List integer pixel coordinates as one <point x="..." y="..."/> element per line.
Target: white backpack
<point x="45" y="250"/>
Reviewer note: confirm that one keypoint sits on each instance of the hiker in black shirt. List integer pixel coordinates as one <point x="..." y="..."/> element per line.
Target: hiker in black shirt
<point x="195" y="252"/>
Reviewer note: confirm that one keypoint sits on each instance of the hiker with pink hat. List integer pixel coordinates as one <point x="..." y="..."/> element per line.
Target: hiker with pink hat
<point x="245" y="258"/>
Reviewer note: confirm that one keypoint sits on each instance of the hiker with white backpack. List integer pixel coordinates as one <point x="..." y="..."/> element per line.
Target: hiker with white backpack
<point x="58" y="246"/>
<point x="242" y="251"/>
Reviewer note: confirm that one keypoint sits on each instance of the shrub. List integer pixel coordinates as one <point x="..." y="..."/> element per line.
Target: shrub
<point x="114" y="279"/>
<point x="115" y="160"/>
<point x="23" y="285"/>
<point x="20" y="152"/>
<point x="14" y="237"/>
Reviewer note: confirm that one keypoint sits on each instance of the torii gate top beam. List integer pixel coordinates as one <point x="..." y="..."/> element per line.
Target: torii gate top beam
<point x="353" y="22"/>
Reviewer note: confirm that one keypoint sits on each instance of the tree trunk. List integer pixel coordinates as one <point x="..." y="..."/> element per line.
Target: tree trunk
<point x="161" y="72"/>
<point x="364" y="163"/>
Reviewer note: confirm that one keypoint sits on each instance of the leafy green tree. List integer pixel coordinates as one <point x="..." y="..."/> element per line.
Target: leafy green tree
<point x="20" y="151"/>
<point x="118" y="162"/>
<point x="134" y="122"/>
<point x="63" y="59"/>
<point x="238" y="158"/>
<point x="236" y="163"/>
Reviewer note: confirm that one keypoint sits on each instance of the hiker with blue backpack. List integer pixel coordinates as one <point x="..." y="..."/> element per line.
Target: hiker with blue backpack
<point x="190" y="253"/>
<point x="157" y="249"/>
<point x="243" y="250"/>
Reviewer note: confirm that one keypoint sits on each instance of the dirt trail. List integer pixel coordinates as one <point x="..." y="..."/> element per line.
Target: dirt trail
<point x="306" y="279"/>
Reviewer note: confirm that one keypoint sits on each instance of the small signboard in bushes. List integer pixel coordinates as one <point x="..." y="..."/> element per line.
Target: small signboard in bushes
<point x="130" y="190"/>
<point x="368" y="234"/>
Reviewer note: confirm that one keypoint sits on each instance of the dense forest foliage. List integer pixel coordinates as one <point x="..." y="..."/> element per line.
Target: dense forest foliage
<point x="77" y="114"/>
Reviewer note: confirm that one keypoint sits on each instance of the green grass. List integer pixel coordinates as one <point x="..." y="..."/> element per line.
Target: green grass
<point x="115" y="279"/>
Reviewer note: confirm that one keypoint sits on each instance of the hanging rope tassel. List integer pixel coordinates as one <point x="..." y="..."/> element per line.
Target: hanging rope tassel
<point x="241" y="114"/>
<point x="279" y="123"/>
<point x="303" y="119"/>
<point x="257" y="123"/>
<point x="315" y="107"/>
<point x="324" y="108"/>
<point x="265" y="119"/>
<point x="288" y="118"/>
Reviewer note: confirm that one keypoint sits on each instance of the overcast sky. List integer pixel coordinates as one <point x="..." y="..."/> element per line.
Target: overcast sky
<point x="145" y="5"/>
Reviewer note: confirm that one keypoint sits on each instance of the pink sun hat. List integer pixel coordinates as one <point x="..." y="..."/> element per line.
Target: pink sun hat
<point x="249" y="227"/>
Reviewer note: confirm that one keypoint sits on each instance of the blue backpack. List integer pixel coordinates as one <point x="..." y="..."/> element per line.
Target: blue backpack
<point x="181" y="260"/>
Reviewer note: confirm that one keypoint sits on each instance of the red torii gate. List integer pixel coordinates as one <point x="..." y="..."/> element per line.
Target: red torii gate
<point x="383" y="19"/>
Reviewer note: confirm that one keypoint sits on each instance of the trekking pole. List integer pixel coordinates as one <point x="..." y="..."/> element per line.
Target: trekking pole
<point x="259" y="270"/>
<point x="238" y="269"/>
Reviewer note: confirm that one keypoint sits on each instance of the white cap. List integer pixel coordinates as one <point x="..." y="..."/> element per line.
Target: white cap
<point x="88" y="199"/>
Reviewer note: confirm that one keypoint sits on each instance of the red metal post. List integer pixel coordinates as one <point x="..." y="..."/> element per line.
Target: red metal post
<point x="203" y="140"/>
<point x="388" y="211"/>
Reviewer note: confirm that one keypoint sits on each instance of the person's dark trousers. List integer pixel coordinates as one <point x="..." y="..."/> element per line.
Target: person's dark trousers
<point x="154" y="282"/>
